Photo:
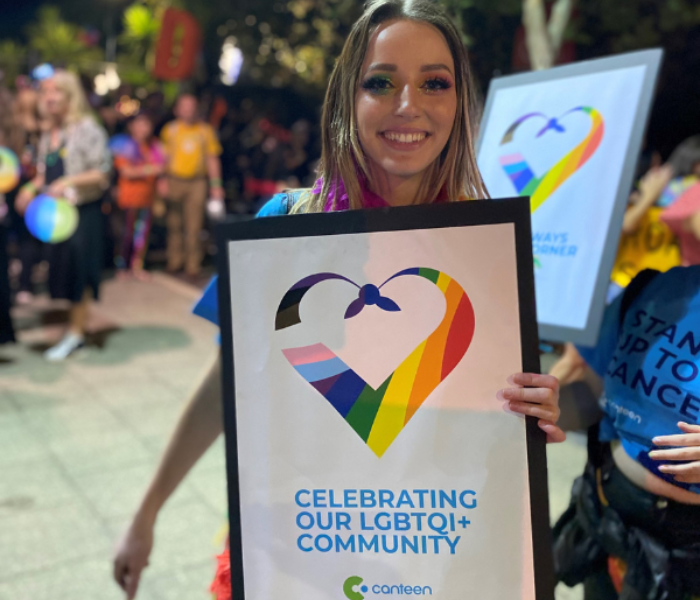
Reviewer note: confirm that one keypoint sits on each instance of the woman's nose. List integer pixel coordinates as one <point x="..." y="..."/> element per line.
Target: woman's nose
<point x="409" y="102"/>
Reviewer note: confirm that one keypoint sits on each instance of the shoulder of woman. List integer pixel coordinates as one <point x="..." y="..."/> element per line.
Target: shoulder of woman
<point x="282" y="203"/>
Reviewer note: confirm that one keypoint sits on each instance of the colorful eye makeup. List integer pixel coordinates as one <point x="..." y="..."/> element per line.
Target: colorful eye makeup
<point x="381" y="85"/>
<point x="378" y="84"/>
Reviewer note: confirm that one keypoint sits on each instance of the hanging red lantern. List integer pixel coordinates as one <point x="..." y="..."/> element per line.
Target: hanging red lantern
<point x="178" y="45"/>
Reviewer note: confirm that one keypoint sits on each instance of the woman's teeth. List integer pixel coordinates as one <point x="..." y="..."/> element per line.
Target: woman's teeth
<point x="404" y="138"/>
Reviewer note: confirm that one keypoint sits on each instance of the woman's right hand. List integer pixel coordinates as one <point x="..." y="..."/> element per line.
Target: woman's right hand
<point x="131" y="556"/>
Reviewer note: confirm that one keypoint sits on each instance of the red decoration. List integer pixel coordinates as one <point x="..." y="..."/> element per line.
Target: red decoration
<point x="178" y="45"/>
<point x="221" y="586"/>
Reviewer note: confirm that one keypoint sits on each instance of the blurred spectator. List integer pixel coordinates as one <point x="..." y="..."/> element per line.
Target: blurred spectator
<point x="73" y="163"/>
<point x="29" y="121"/>
<point x="9" y="139"/>
<point x="683" y="215"/>
<point x="192" y="150"/>
<point x="138" y="169"/>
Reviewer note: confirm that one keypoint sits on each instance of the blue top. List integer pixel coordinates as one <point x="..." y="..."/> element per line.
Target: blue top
<point x="207" y="306"/>
<point x="651" y="365"/>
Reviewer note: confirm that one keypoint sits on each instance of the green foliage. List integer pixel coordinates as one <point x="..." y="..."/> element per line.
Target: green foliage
<point x="13" y="60"/>
<point x="58" y="41"/>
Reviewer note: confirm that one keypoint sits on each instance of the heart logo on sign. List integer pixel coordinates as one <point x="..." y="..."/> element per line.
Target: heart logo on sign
<point x="540" y="188"/>
<point x="378" y="415"/>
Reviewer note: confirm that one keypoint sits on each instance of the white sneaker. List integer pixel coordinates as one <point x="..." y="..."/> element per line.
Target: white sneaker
<point x="69" y="344"/>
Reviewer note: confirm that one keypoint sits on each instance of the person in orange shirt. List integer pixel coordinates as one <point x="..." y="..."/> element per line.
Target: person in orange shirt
<point x="192" y="150"/>
<point x="139" y="165"/>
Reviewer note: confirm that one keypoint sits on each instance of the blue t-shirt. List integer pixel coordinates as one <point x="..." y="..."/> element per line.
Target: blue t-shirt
<point x="207" y="306"/>
<point x="651" y="365"/>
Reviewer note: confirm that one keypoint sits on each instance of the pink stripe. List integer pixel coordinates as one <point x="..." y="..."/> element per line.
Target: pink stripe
<point x="308" y="354"/>
<point x="511" y="159"/>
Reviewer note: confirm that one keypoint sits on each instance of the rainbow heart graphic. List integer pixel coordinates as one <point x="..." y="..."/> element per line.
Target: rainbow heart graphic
<point x="379" y="415"/>
<point x="540" y="188"/>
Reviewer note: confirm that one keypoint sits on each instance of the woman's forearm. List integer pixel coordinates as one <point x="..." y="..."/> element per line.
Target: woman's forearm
<point x="198" y="427"/>
<point x="91" y="178"/>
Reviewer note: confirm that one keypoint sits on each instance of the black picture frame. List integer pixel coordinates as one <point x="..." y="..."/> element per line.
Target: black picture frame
<point x="457" y="214"/>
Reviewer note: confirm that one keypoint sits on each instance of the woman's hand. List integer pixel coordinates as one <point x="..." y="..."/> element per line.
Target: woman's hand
<point x="687" y="449"/>
<point x="536" y="396"/>
<point x="131" y="556"/>
<point x="58" y="188"/>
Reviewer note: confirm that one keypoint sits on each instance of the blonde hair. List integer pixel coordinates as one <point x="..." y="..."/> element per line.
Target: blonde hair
<point x="342" y="158"/>
<point x="78" y="107"/>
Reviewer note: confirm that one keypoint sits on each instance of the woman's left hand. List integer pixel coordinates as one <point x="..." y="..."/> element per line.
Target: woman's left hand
<point x="687" y="449"/>
<point x="58" y="188"/>
<point x="536" y="396"/>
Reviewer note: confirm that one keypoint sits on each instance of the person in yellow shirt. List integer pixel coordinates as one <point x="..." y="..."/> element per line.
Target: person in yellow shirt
<point x="646" y="242"/>
<point x="192" y="150"/>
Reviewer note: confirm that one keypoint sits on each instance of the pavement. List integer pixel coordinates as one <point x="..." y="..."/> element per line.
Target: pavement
<point x="79" y="441"/>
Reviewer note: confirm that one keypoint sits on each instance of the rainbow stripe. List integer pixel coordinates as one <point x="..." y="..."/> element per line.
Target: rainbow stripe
<point x="379" y="415"/>
<point x="524" y="180"/>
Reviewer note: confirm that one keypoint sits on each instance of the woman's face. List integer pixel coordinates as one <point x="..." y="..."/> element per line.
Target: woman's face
<point x="140" y="128"/>
<point x="53" y="99"/>
<point x="406" y="103"/>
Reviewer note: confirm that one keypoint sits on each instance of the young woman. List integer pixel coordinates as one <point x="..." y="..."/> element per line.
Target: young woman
<point x="396" y="130"/>
<point x="74" y="164"/>
<point x="139" y="166"/>
<point x="633" y="527"/>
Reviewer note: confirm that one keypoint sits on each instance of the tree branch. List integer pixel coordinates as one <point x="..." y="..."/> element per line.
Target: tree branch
<point x="537" y="39"/>
<point x="558" y="20"/>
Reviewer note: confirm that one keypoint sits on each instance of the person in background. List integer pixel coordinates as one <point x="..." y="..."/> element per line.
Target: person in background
<point x="31" y="249"/>
<point x="73" y="163"/>
<point x="683" y="215"/>
<point x="646" y="242"/>
<point x="9" y="138"/>
<point x="192" y="153"/>
<point x="138" y="171"/>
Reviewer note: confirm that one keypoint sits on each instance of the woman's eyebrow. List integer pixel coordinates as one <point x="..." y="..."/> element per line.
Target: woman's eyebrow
<point x="436" y="67"/>
<point x="424" y="68"/>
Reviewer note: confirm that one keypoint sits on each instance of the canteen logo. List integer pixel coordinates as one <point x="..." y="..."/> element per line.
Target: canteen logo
<point x="379" y="415"/>
<point x="349" y="588"/>
<point x="355" y="589"/>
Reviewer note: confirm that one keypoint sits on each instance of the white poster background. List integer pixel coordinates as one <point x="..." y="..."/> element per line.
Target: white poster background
<point x="291" y="438"/>
<point x="581" y="208"/>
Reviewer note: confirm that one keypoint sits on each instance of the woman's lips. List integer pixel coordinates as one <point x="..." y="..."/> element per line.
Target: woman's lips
<point x="403" y="140"/>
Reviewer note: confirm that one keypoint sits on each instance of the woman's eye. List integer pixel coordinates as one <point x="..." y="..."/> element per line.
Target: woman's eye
<point x="437" y="84"/>
<point x="377" y="85"/>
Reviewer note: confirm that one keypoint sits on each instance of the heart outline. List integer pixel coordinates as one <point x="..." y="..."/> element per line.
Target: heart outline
<point x="379" y="415"/>
<point x="541" y="188"/>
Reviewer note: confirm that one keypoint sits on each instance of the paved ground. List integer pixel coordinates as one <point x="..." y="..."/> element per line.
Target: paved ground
<point x="79" y="440"/>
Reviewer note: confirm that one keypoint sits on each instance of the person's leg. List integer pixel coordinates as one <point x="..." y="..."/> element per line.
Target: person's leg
<point x="123" y="258"/>
<point x="194" y="221"/>
<point x="142" y="230"/>
<point x="77" y="324"/>
<point x="174" y="224"/>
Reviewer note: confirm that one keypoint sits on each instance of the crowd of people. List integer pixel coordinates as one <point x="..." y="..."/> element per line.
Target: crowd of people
<point x="177" y="171"/>
<point x="632" y="530"/>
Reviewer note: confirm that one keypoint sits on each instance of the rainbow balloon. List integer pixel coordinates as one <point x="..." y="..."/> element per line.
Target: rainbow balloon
<point x="9" y="170"/>
<point x="379" y="415"/>
<point x="51" y="220"/>
<point x="525" y="181"/>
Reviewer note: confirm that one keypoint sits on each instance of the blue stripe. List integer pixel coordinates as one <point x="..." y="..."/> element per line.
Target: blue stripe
<point x="321" y="370"/>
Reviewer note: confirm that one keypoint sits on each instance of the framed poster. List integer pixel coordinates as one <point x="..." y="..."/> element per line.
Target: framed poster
<point x="569" y="138"/>
<point x="367" y="453"/>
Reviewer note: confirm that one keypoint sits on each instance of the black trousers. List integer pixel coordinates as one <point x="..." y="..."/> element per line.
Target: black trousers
<point x="674" y="524"/>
